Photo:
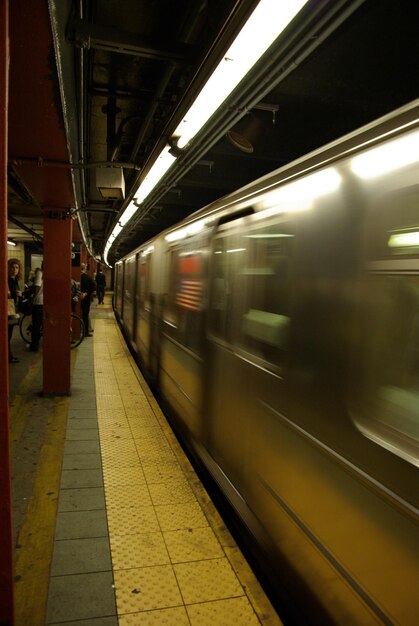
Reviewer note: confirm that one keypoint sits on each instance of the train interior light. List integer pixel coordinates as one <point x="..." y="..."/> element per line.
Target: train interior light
<point x="391" y="156"/>
<point x="233" y="250"/>
<point x="191" y="229"/>
<point x="268" y="236"/>
<point x="299" y="195"/>
<point x="404" y="240"/>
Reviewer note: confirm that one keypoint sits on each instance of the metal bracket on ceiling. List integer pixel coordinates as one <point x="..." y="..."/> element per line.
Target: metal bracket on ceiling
<point x="175" y="190"/>
<point x="273" y="108"/>
<point x="87" y="36"/>
<point x="262" y="106"/>
<point x="206" y="163"/>
<point x="57" y="215"/>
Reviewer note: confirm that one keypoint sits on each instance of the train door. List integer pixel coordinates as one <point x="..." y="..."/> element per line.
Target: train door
<point x="248" y="332"/>
<point x="181" y="373"/>
<point x="155" y="313"/>
<point x="135" y="303"/>
<point x="129" y="295"/>
<point x="144" y="308"/>
<point x="119" y="288"/>
<point x="227" y="391"/>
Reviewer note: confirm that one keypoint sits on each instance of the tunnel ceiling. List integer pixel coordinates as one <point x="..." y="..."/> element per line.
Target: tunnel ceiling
<point x="122" y="74"/>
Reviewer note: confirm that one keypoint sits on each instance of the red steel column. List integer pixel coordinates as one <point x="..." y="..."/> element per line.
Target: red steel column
<point x="57" y="302"/>
<point x="83" y="254"/>
<point x="92" y="267"/>
<point x="6" y="551"/>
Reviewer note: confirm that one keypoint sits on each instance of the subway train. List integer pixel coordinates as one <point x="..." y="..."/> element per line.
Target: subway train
<point x="279" y="326"/>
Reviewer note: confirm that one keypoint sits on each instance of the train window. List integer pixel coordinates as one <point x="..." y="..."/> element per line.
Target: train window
<point x="171" y="312"/>
<point x="225" y="267"/>
<point x="118" y="287"/>
<point x="388" y="394"/>
<point x="183" y="310"/>
<point x="265" y="285"/>
<point x="390" y="381"/>
<point x="144" y="283"/>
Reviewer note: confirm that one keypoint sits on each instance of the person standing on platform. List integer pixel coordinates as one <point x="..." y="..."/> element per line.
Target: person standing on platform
<point x="75" y="294"/>
<point x="37" y="308"/>
<point x="88" y="289"/>
<point x="14" y="293"/>
<point x="100" y="279"/>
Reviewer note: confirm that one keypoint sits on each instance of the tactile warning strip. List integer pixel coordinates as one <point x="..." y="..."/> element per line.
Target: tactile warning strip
<point x="172" y="565"/>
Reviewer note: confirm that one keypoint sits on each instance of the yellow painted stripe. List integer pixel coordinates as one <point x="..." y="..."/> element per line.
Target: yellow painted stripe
<point x="35" y="541"/>
<point x="33" y="553"/>
<point x="18" y="406"/>
<point x="147" y="474"/>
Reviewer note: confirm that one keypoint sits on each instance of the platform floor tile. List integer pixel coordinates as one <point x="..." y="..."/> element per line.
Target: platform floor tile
<point x="239" y="611"/>
<point x="82" y="596"/>
<point x="170" y="562"/>
<point x="176" y="616"/>
<point x="145" y="588"/>
<point x="204" y="581"/>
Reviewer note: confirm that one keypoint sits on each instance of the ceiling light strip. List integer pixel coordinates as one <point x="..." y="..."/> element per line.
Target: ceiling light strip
<point x="264" y="25"/>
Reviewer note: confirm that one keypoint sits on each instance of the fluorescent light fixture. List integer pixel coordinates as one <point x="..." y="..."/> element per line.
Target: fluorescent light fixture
<point x="299" y="195"/>
<point x="386" y="158"/>
<point x="404" y="240"/>
<point x="156" y="173"/>
<point x="11" y="243"/>
<point x="117" y="229"/>
<point x="131" y="209"/>
<point x="264" y="25"/>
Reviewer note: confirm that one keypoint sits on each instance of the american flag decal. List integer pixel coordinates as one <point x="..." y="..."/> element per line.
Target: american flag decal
<point x="189" y="294"/>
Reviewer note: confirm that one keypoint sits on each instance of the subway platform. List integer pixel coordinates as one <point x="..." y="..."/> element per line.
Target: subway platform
<point x="111" y="523"/>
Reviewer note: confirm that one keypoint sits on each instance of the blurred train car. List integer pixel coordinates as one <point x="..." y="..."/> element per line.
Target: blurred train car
<point x="280" y="325"/>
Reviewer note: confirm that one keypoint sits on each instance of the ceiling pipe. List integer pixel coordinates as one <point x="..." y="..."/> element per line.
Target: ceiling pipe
<point x="25" y="228"/>
<point x="119" y="134"/>
<point x="82" y="116"/>
<point x="71" y="82"/>
<point x="188" y="30"/>
<point x="40" y="162"/>
<point x="241" y="9"/>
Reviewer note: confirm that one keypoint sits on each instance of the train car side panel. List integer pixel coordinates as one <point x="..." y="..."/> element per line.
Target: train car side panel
<point x="182" y="374"/>
<point x="281" y="325"/>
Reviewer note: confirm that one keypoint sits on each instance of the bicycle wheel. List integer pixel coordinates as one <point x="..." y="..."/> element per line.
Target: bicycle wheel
<point x="25" y="328"/>
<point x="77" y="331"/>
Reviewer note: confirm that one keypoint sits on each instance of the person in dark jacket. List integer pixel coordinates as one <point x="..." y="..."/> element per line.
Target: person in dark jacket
<point x="88" y="290"/>
<point x="14" y="293"/>
<point x="100" y="279"/>
<point x="37" y="308"/>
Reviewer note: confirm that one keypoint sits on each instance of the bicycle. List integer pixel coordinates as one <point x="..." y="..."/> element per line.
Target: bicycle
<point x="77" y="329"/>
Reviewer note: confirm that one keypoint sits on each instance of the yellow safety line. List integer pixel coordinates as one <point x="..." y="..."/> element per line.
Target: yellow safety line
<point x="33" y="553"/>
<point x="112" y="358"/>
<point x="35" y="541"/>
<point x="18" y="414"/>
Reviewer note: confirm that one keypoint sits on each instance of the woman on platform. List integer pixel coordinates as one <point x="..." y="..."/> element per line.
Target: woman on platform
<point x="14" y="293"/>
